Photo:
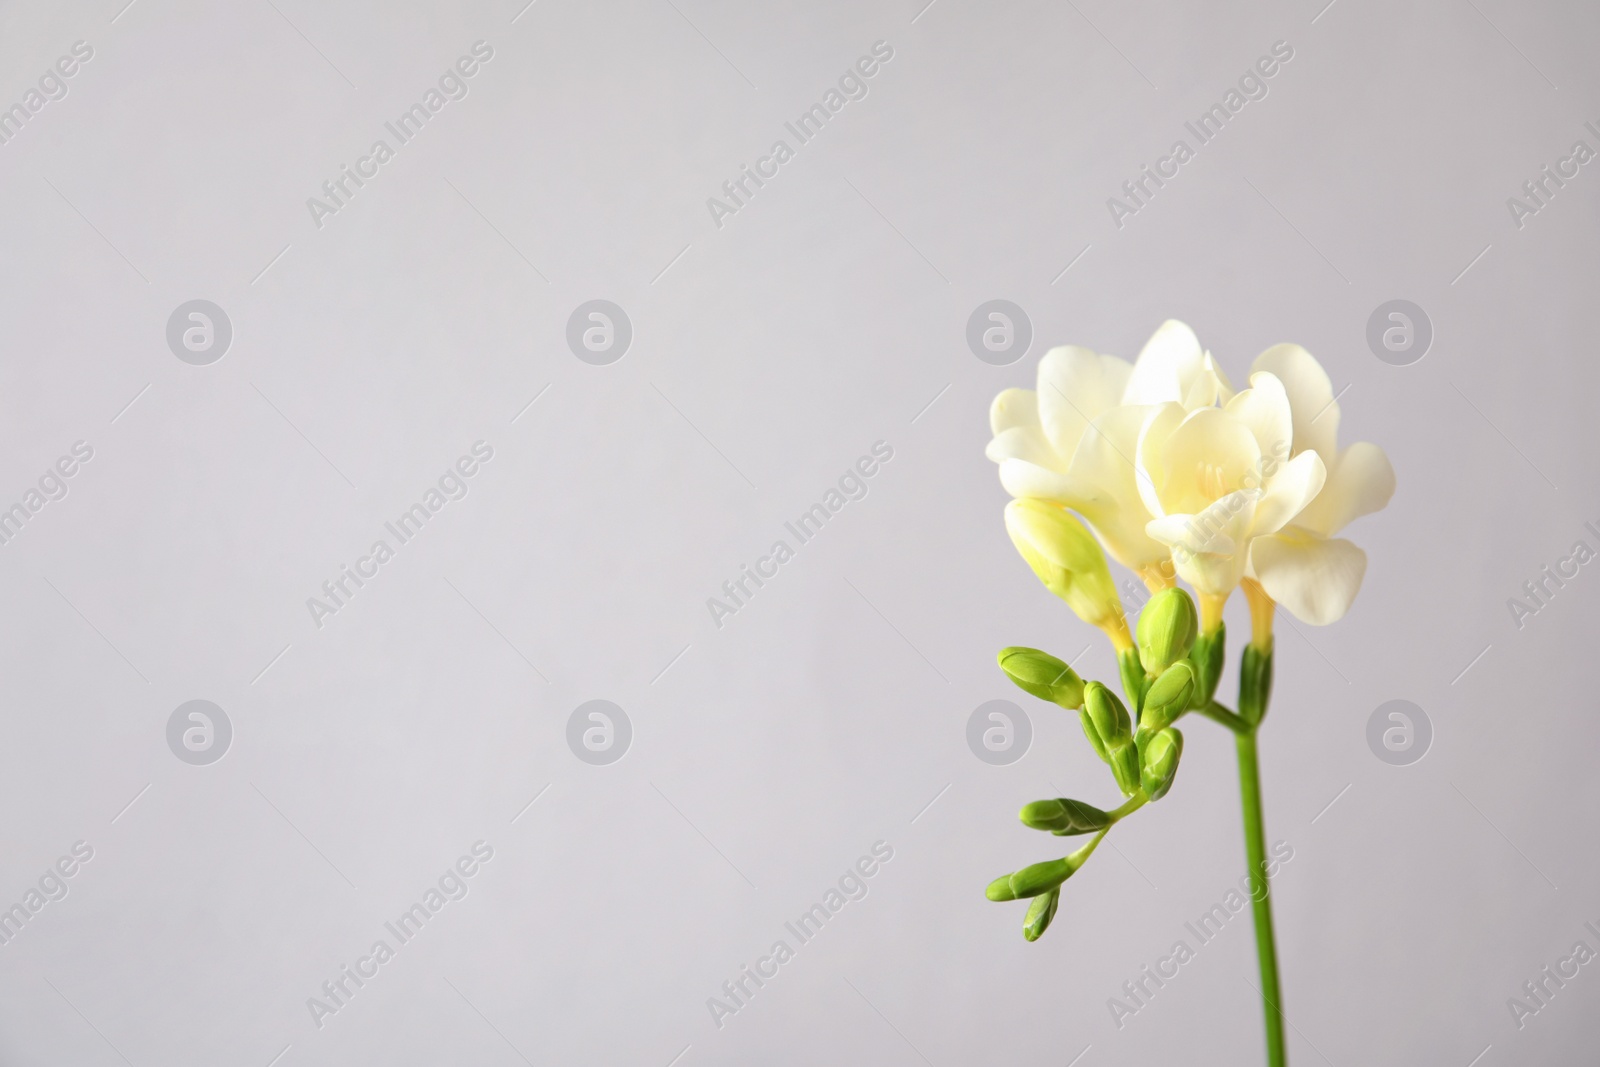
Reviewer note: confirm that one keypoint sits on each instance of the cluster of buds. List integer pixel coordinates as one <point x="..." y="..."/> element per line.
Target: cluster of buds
<point x="1169" y="667"/>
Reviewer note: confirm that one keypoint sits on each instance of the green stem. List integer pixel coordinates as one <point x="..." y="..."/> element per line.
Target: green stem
<point x="1217" y="713"/>
<point x="1255" y="846"/>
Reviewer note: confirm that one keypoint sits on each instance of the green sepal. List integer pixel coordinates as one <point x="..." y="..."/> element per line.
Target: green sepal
<point x="1040" y="912"/>
<point x="1094" y="738"/>
<point x="1255" y="683"/>
<point x="1042" y="675"/>
<point x="1207" y="657"/>
<point x="1134" y="681"/>
<point x="999" y="890"/>
<point x="1063" y="817"/>
<point x="1159" y="762"/>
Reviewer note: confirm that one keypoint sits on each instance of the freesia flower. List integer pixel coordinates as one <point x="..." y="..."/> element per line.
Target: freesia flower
<point x="1073" y="439"/>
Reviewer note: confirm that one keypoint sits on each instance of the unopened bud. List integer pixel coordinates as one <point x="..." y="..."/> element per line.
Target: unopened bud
<point x="1064" y="817"/>
<point x="1125" y="767"/>
<point x="1040" y="912"/>
<point x="1207" y="658"/>
<point x="1066" y="557"/>
<point x="1043" y="675"/>
<point x="1094" y="737"/>
<point x="999" y="890"/>
<point x="1108" y="715"/>
<point x="1039" y="878"/>
<point x="1160" y="762"/>
<point x="1168" y="698"/>
<point x="1167" y="628"/>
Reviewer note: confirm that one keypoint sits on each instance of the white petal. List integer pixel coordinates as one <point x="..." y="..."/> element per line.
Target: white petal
<point x="1105" y="460"/>
<point x="1209" y="550"/>
<point x="1158" y="425"/>
<point x="1294" y="485"/>
<point x="1315" y="578"/>
<point x="1023" y="479"/>
<point x="1023" y="442"/>
<point x="1316" y="413"/>
<point x="1166" y="366"/>
<point x="1264" y="408"/>
<point x="1208" y="386"/>
<point x="1361" y="482"/>
<point x="1013" y="407"/>
<point x="1209" y="455"/>
<point x="1076" y="386"/>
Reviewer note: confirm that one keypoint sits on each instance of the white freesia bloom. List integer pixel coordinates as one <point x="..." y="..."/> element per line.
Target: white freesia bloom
<point x="1073" y="439"/>
<point x="1303" y="566"/>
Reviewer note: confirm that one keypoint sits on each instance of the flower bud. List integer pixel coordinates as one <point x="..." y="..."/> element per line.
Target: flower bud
<point x="1064" y="817"/>
<point x="1167" y="699"/>
<point x="1043" y="675"/>
<point x="1039" y="878"/>
<point x="1094" y="738"/>
<point x="999" y="890"/>
<point x="1066" y="557"/>
<point x="1160" y="762"/>
<point x="1255" y="682"/>
<point x="1107" y="714"/>
<point x="1040" y="912"/>
<point x="1125" y="767"/>
<point x="1207" y="658"/>
<point x="1167" y="628"/>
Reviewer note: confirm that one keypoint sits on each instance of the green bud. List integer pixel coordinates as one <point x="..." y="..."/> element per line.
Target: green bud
<point x="1134" y="681"/>
<point x="1255" y="683"/>
<point x="1206" y="657"/>
<point x="999" y="890"/>
<point x="1108" y="715"/>
<point x="1167" y="628"/>
<point x="1094" y="738"/>
<point x="1125" y="767"/>
<point x="1040" y="912"/>
<point x="1160" y="762"/>
<point x="1039" y="878"/>
<point x="1043" y="675"/>
<point x="1168" y="698"/>
<point x="1064" y="817"/>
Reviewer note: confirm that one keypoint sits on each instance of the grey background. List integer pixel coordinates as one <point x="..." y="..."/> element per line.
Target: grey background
<point x="767" y="356"/>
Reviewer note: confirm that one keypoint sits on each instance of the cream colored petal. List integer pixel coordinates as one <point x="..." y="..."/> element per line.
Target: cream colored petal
<point x="1076" y="386"/>
<point x="1166" y="366"/>
<point x="1361" y="482"/>
<point x="1209" y="549"/>
<point x="1315" y="578"/>
<point x="1293" y="486"/>
<point x="1023" y="479"/>
<point x="1159" y="422"/>
<point x="1316" y="413"/>
<point x="1012" y="408"/>
<point x="1208" y="386"/>
<point x="1209" y="455"/>
<point x="1023" y="442"/>
<point x="1105" y="459"/>
<point x="1264" y="408"/>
